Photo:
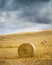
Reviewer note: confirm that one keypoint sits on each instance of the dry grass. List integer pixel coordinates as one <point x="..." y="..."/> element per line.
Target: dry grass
<point x="9" y="48"/>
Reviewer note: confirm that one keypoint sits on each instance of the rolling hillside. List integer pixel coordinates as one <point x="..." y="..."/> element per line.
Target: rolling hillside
<point x="9" y="48"/>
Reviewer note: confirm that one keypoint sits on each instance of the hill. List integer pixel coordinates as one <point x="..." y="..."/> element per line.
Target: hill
<point x="9" y="48"/>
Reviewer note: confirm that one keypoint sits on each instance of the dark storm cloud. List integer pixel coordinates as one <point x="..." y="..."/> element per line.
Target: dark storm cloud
<point x="27" y="1"/>
<point x="16" y="14"/>
<point x="17" y="4"/>
<point x="2" y="3"/>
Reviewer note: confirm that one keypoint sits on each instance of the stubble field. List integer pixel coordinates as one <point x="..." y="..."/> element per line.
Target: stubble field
<point x="9" y="48"/>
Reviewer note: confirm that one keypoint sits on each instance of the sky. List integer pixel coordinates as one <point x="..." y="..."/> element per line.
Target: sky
<point x="25" y="15"/>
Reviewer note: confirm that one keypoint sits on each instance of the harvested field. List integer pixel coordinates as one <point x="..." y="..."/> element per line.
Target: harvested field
<point x="9" y="45"/>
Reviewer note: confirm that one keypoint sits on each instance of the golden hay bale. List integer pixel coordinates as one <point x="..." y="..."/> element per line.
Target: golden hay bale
<point x="26" y="50"/>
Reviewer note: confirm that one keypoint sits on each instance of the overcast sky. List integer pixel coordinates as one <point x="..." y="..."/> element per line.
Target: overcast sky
<point x="25" y="15"/>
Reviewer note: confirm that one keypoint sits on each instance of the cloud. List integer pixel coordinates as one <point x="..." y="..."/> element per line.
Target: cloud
<point x="24" y="15"/>
<point x="10" y="5"/>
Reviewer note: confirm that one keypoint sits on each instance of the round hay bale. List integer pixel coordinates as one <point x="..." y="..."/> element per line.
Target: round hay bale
<point x="26" y="50"/>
